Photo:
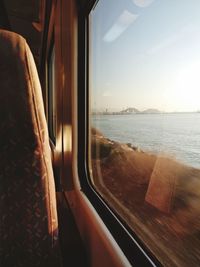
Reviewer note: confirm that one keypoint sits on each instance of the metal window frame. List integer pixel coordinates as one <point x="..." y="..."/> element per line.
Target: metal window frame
<point x="133" y="248"/>
<point x="51" y="122"/>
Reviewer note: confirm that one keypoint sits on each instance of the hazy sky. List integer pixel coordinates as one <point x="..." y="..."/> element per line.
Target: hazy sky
<point x="146" y="54"/>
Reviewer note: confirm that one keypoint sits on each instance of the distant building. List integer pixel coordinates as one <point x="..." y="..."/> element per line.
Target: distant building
<point x="130" y="110"/>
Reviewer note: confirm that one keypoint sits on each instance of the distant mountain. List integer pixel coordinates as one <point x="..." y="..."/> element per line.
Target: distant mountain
<point x="130" y="110"/>
<point x="151" y="111"/>
<point x="135" y="110"/>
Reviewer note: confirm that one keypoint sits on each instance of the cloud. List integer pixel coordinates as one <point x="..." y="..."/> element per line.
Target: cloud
<point x="143" y="3"/>
<point x="122" y="23"/>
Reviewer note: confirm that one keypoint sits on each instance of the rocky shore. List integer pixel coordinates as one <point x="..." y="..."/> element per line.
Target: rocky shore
<point x="153" y="194"/>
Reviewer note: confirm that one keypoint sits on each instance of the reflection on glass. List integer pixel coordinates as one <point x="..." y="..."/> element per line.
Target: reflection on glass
<point x="145" y="117"/>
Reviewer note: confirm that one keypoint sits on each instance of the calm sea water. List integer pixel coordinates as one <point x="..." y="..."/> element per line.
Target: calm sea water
<point x="175" y="135"/>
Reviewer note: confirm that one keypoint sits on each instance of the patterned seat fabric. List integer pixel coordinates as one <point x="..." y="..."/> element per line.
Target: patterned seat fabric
<point x="28" y="217"/>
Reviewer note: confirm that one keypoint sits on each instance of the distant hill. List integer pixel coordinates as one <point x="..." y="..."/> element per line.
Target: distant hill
<point x="135" y="110"/>
<point x="128" y="111"/>
<point x="151" y="111"/>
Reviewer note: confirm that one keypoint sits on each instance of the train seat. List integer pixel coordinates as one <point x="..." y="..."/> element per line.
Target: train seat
<point x="28" y="216"/>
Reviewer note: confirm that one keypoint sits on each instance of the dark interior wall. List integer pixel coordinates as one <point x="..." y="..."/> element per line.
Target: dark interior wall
<point x="24" y="17"/>
<point x="28" y="10"/>
<point x="4" y="21"/>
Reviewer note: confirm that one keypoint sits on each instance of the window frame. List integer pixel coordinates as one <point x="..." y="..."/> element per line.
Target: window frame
<point x="132" y="246"/>
<point x="51" y="125"/>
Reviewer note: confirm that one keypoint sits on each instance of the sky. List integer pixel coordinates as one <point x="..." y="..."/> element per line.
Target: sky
<point x="145" y="54"/>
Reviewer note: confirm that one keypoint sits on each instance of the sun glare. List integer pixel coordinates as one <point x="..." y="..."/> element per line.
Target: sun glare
<point x="188" y="87"/>
<point x="183" y="93"/>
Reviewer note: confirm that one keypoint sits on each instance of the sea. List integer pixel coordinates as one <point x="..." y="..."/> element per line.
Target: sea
<point x="174" y="135"/>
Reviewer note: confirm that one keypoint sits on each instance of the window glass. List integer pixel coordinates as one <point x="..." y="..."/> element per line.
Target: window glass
<point x="52" y="95"/>
<point x="145" y="120"/>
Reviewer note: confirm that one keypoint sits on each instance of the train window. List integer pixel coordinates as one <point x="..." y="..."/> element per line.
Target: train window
<point x="145" y="121"/>
<point x="52" y="94"/>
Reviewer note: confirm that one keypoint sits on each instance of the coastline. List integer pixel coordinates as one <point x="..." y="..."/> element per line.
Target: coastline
<point x="173" y="135"/>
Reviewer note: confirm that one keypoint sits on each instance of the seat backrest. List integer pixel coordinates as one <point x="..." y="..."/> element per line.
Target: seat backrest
<point x="28" y="217"/>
